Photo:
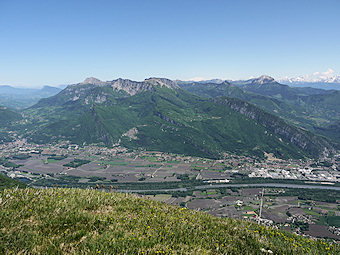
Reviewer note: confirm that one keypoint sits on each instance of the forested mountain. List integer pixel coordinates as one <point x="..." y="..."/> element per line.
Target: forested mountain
<point x="157" y="115"/>
<point x="7" y="119"/>
<point x="7" y="116"/>
<point x="309" y="108"/>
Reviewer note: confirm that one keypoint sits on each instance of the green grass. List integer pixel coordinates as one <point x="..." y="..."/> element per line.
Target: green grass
<point x="114" y="163"/>
<point x="311" y="212"/>
<point x="210" y="192"/>
<point x="152" y="159"/>
<point x="173" y="162"/>
<point x="52" y="161"/>
<point x="247" y="208"/>
<point x="334" y="221"/>
<point x="75" y="221"/>
<point x="77" y="163"/>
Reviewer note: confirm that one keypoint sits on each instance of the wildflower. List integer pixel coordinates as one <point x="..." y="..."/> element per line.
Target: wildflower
<point x="267" y="251"/>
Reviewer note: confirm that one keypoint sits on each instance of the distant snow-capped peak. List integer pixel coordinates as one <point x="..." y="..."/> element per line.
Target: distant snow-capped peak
<point x="263" y="79"/>
<point x="328" y="76"/>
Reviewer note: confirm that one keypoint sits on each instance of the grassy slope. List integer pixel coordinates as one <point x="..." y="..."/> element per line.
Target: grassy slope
<point x="74" y="221"/>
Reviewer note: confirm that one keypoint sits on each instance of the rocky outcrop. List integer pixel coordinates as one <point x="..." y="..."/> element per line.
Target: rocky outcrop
<point x="132" y="87"/>
<point x="94" y="81"/>
<point x="163" y="117"/>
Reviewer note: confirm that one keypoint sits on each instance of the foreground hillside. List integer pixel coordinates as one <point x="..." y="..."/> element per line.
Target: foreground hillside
<point x="74" y="221"/>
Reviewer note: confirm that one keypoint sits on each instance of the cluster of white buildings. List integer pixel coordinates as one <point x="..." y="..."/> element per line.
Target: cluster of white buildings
<point x="297" y="174"/>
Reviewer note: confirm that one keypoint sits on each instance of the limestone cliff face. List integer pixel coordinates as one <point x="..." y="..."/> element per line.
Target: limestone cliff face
<point x="132" y="87"/>
<point x="93" y="90"/>
<point x="301" y="138"/>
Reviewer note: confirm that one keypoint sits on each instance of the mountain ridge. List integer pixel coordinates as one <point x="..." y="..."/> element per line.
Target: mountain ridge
<point x="129" y="86"/>
<point x="309" y="108"/>
<point x="164" y="117"/>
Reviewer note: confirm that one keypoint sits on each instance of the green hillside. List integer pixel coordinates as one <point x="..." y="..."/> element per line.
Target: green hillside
<point x="7" y="116"/>
<point x="6" y="183"/>
<point x="326" y="105"/>
<point x="319" y="107"/>
<point x="332" y="130"/>
<point x="308" y="108"/>
<point x="293" y="113"/>
<point x="160" y="118"/>
<point x="74" y="221"/>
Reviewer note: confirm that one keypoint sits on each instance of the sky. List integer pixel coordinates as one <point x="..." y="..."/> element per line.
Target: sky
<point x="64" y="41"/>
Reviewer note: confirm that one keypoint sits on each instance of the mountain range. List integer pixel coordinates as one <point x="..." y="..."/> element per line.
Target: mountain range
<point x="324" y="80"/>
<point x="164" y="115"/>
<point x="317" y="80"/>
<point x="312" y="109"/>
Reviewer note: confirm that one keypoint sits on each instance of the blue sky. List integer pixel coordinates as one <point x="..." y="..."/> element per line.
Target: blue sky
<point x="65" y="41"/>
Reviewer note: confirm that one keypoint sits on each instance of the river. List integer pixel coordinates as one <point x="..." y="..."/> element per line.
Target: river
<point x="269" y="185"/>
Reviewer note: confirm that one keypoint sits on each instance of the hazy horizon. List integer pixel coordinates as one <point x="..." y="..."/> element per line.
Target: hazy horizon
<point x="193" y="79"/>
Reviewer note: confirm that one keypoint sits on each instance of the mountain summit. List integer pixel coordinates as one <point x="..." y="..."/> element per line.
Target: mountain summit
<point x="264" y="79"/>
<point x="92" y="80"/>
